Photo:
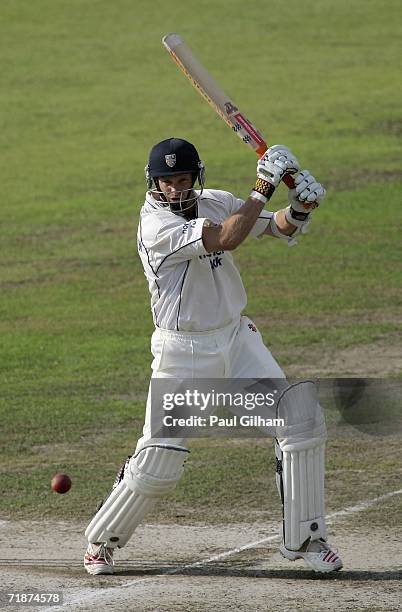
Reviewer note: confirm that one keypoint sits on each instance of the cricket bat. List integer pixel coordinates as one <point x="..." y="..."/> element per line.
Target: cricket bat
<point x="206" y="85"/>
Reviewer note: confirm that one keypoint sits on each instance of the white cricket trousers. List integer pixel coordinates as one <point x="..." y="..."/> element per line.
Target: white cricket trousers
<point x="234" y="351"/>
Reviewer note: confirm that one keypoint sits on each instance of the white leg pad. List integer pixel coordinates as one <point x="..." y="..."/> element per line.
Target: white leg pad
<point x="300" y="451"/>
<point x="148" y="475"/>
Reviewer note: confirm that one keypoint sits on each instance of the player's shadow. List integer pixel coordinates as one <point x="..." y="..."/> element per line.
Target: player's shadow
<point x="240" y="571"/>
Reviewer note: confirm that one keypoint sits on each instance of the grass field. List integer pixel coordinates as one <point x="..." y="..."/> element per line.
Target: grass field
<point x="86" y="90"/>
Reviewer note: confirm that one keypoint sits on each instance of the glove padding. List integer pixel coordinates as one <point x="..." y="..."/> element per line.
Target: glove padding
<point x="275" y="163"/>
<point x="307" y="194"/>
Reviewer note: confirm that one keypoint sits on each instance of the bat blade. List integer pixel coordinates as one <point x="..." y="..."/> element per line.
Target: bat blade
<point x="224" y="106"/>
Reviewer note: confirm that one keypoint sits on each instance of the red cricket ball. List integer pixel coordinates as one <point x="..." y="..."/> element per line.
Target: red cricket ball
<point x="61" y="483"/>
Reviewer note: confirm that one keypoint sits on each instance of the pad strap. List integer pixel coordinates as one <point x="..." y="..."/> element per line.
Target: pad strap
<point x="148" y="475"/>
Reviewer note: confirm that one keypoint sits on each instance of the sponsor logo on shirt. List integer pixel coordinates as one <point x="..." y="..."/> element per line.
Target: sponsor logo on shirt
<point x="215" y="259"/>
<point x="214" y="254"/>
<point x="191" y="223"/>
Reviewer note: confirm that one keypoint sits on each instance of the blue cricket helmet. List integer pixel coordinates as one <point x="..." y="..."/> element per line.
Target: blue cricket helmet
<point x="174" y="156"/>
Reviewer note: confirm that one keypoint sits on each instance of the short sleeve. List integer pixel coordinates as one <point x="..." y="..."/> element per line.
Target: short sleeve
<point x="261" y="224"/>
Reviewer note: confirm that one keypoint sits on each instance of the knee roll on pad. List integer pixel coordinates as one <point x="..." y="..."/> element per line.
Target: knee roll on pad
<point x="300" y="460"/>
<point x="148" y="475"/>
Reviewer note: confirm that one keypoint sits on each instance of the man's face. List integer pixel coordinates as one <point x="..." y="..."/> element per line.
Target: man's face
<point x="176" y="187"/>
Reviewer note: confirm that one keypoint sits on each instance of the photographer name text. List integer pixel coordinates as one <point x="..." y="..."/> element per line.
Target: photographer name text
<point x="248" y="420"/>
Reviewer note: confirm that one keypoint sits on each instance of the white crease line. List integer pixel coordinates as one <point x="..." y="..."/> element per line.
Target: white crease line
<point x="363" y="505"/>
<point x="90" y="595"/>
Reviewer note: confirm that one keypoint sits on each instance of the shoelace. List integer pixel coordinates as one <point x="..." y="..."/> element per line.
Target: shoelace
<point x="326" y="548"/>
<point x="104" y="553"/>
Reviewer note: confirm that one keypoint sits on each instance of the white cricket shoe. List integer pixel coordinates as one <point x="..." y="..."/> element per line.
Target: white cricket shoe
<point x="319" y="555"/>
<point x="99" y="559"/>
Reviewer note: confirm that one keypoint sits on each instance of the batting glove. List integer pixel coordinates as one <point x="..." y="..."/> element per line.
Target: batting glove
<point x="306" y="196"/>
<point x="271" y="168"/>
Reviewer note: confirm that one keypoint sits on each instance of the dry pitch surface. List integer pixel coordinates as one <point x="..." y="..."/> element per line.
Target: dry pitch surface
<point x="226" y="567"/>
<point x="221" y="567"/>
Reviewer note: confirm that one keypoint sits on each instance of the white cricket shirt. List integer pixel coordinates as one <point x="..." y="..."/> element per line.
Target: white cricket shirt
<point x="191" y="289"/>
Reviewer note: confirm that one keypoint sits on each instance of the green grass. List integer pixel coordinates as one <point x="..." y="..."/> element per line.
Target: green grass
<point x="86" y="90"/>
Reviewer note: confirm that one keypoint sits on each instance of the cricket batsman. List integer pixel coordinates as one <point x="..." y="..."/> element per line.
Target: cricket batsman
<point x="185" y="241"/>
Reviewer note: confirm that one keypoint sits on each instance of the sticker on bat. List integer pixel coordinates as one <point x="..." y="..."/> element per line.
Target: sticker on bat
<point x="230" y="108"/>
<point x="248" y="127"/>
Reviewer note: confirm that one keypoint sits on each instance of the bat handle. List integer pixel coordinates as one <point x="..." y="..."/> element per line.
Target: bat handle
<point x="289" y="181"/>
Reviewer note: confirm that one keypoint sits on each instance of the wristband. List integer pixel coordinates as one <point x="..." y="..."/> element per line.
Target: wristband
<point x="298" y="214"/>
<point x="263" y="190"/>
<point x="256" y="195"/>
<point x="296" y="217"/>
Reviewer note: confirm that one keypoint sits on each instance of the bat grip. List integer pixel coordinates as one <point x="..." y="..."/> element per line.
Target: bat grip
<point x="289" y="181"/>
